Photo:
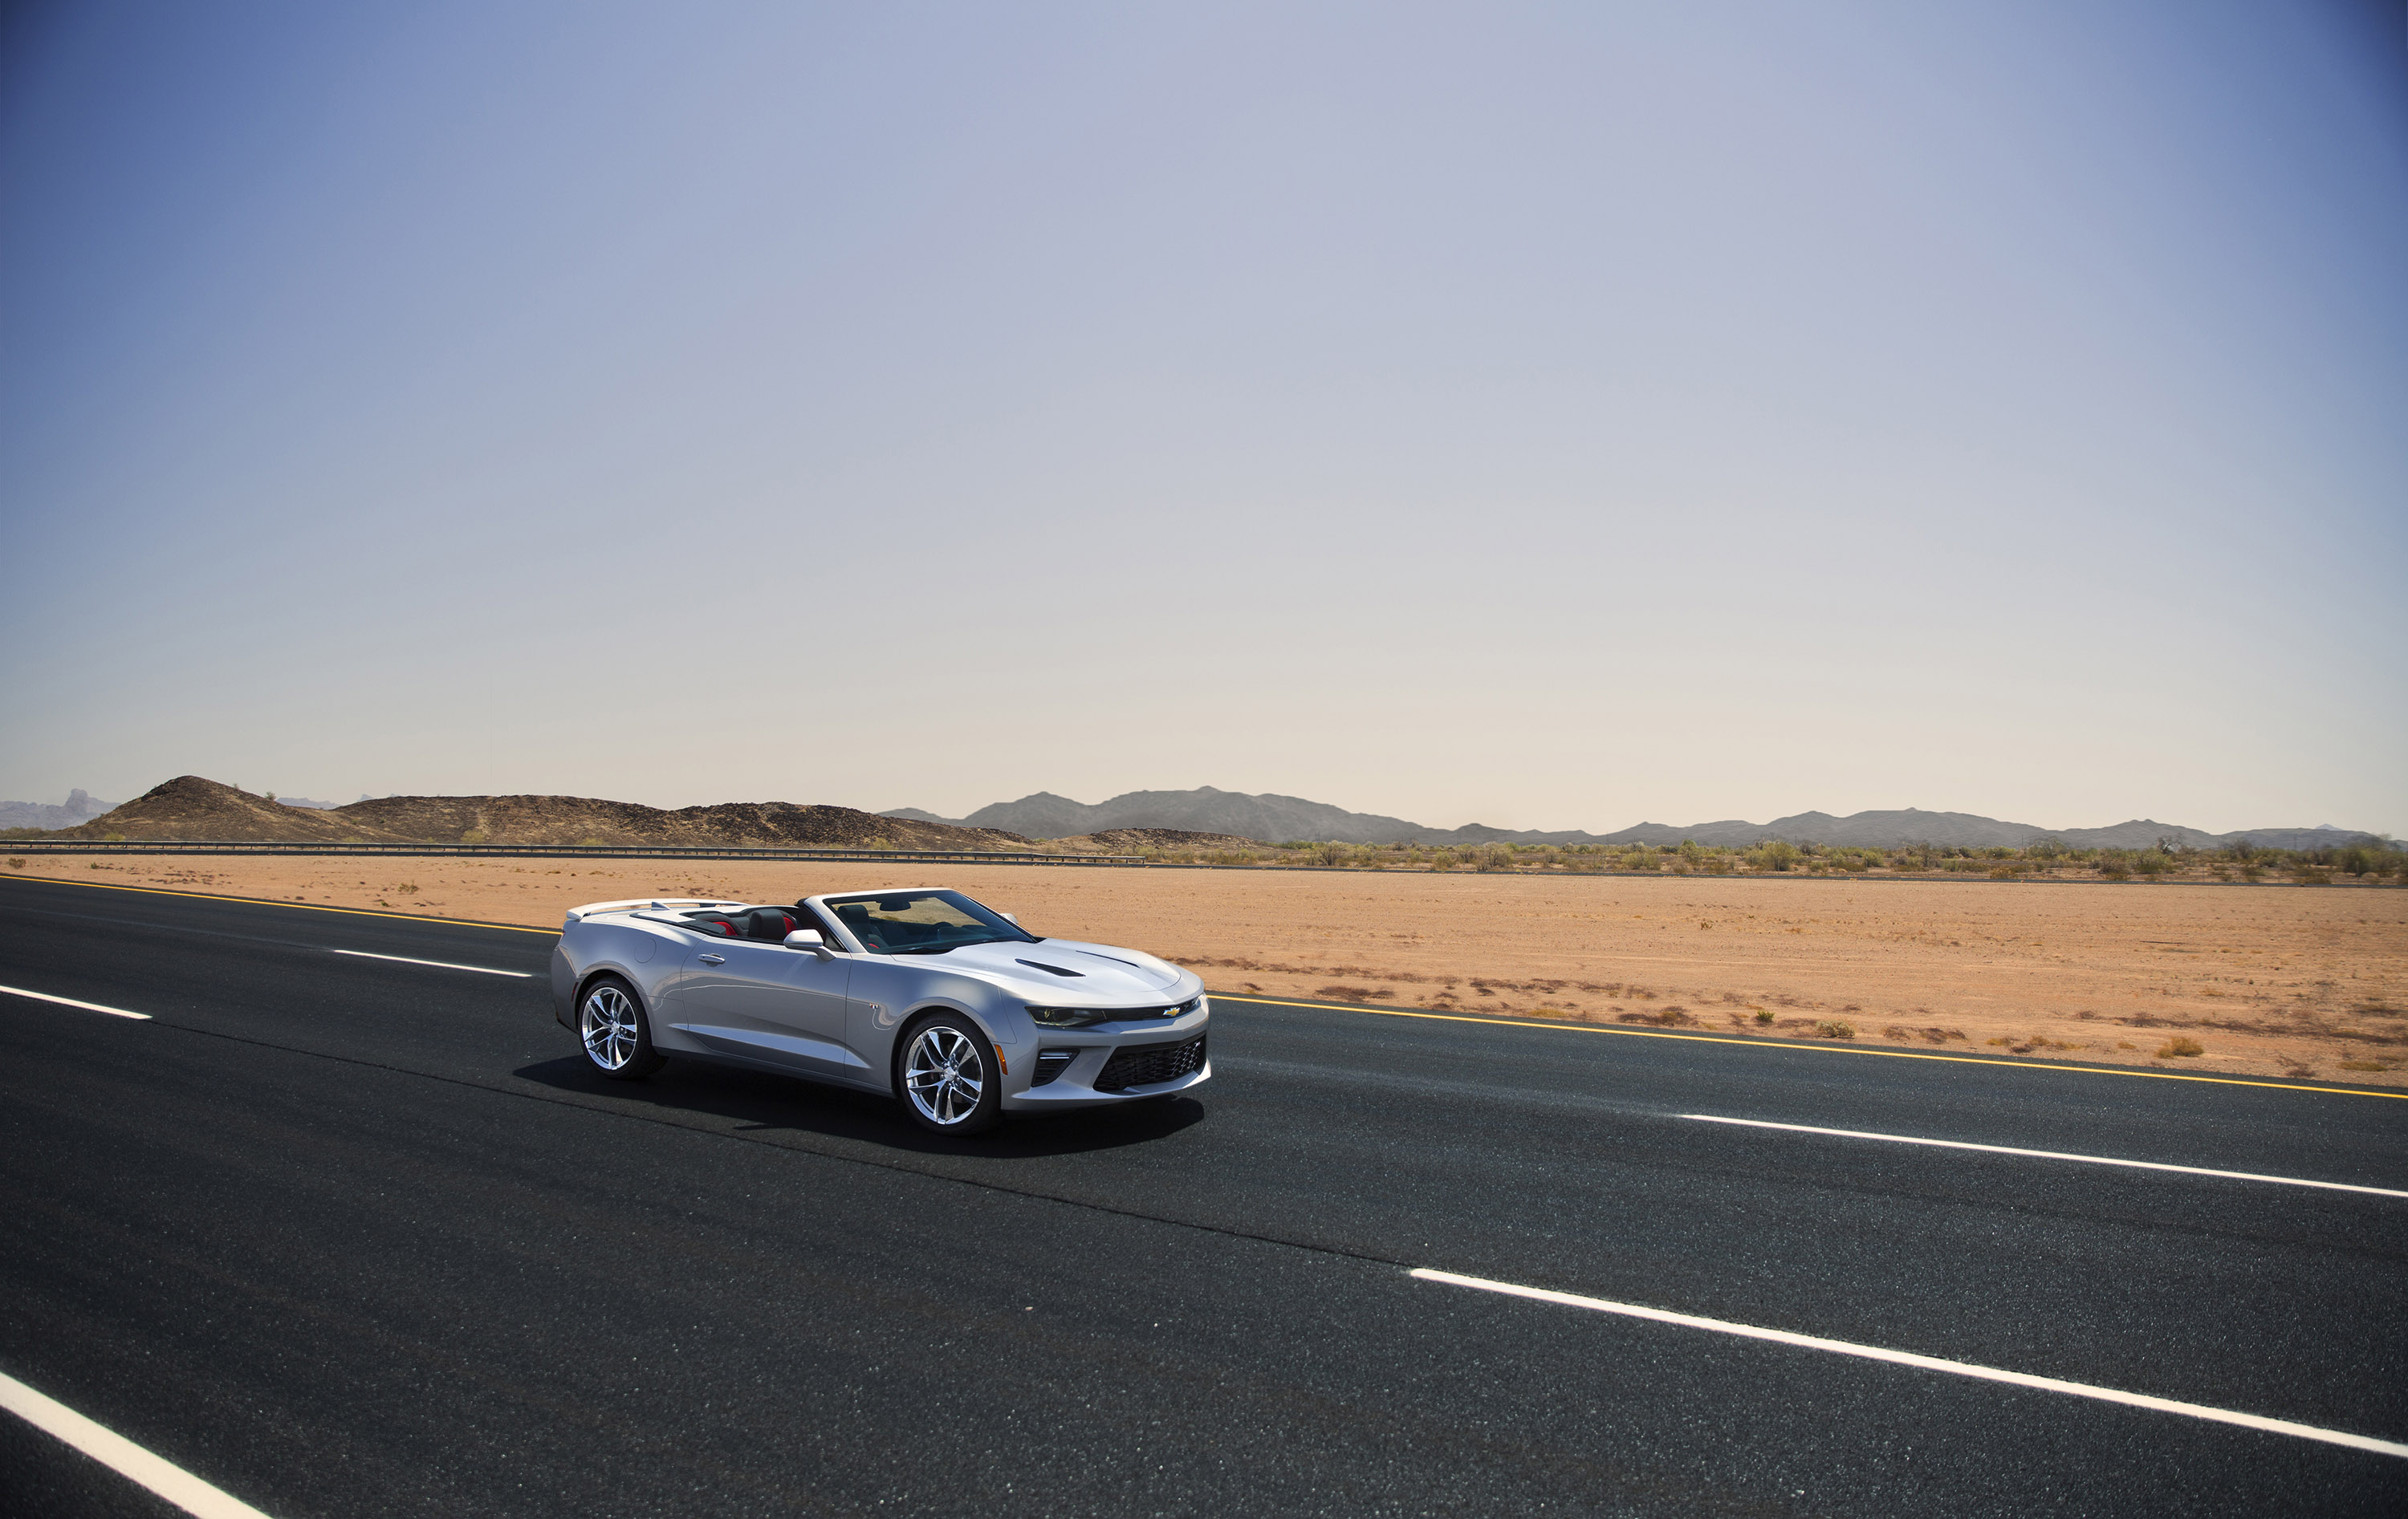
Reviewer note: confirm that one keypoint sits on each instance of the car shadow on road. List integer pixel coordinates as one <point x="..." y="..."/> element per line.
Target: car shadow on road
<point x="750" y="1101"/>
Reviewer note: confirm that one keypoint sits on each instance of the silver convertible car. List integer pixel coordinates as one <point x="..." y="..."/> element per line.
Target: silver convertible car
<point x="917" y="993"/>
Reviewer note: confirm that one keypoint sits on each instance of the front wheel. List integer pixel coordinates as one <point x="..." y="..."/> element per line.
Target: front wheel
<point x="612" y="1024"/>
<point x="949" y="1077"/>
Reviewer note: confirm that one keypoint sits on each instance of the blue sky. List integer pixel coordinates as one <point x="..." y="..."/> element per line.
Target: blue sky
<point x="1547" y="416"/>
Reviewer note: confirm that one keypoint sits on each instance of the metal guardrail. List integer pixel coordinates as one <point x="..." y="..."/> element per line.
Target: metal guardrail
<point x="588" y="852"/>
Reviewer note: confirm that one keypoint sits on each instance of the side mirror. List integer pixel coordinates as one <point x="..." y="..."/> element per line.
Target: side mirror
<point x="812" y="940"/>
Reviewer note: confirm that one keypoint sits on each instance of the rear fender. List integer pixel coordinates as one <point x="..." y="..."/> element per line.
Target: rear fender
<point x="611" y="973"/>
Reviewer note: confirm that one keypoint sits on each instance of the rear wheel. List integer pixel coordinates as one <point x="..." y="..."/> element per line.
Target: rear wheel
<point x="617" y="1037"/>
<point x="947" y="1077"/>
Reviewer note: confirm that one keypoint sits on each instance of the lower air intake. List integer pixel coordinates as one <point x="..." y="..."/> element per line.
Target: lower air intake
<point x="1150" y="1063"/>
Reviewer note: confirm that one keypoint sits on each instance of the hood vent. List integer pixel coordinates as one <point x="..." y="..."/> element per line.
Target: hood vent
<point x="1040" y="965"/>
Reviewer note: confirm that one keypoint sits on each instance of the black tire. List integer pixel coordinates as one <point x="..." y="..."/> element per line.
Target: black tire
<point x="616" y="1035"/>
<point x="947" y="1077"/>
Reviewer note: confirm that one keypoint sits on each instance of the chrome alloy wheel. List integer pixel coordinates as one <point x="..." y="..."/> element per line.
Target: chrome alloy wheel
<point x="607" y="1025"/>
<point x="944" y="1074"/>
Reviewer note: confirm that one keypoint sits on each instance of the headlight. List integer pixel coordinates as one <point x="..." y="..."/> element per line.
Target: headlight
<point x="1071" y="1017"/>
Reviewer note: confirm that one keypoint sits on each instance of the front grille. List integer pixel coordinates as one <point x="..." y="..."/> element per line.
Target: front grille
<point x="1148" y="1064"/>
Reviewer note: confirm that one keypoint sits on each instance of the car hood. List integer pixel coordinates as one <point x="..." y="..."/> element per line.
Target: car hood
<point x="1105" y="975"/>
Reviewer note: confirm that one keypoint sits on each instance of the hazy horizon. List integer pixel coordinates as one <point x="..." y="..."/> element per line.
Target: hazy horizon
<point x="1551" y="418"/>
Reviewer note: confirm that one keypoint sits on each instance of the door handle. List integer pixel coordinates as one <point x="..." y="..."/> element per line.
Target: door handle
<point x="712" y="959"/>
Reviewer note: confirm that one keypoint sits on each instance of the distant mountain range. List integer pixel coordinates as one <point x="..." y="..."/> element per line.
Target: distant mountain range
<point x="192" y="807"/>
<point x="79" y="808"/>
<point x="1274" y="819"/>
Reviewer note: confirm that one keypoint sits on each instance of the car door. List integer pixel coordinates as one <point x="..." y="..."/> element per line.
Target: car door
<point x="768" y="1002"/>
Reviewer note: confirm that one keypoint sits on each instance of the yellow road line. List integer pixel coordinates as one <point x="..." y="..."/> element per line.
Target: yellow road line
<point x="1818" y="1049"/>
<point x="270" y="901"/>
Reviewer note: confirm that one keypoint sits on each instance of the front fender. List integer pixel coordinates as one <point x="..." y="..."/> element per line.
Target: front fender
<point x="886" y="998"/>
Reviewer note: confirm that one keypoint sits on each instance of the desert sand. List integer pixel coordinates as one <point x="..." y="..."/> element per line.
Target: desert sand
<point x="2285" y="981"/>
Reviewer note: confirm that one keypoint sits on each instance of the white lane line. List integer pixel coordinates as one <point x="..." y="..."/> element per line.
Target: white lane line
<point x="71" y="1002"/>
<point x="2049" y="1155"/>
<point x="439" y="964"/>
<point x="121" y="1455"/>
<point x="1927" y="1362"/>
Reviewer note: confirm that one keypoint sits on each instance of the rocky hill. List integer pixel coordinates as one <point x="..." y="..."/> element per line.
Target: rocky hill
<point x="1273" y="819"/>
<point x="192" y="808"/>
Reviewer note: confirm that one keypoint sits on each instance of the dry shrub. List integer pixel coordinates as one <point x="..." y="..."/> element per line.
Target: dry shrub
<point x="2178" y="1047"/>
<point x="1345" y="994"/>
<point x="1831" y="1029"/>
<point x="1668" y="1017"/>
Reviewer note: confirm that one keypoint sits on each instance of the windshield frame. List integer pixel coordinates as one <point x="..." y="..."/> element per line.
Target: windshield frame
<point x="998" y="930"/>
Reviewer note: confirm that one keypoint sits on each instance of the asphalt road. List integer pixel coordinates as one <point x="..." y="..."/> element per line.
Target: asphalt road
<point x="347" y="1236"/>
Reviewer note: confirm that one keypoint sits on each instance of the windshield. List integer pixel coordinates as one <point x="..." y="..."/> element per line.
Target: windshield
<point x="921" y="923"/>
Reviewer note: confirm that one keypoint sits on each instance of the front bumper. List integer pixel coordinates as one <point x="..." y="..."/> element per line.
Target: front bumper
<point x="1098" y="1073"/>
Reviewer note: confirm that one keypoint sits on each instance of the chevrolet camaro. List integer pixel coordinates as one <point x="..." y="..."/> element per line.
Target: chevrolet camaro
<point x="916" y="992"/>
